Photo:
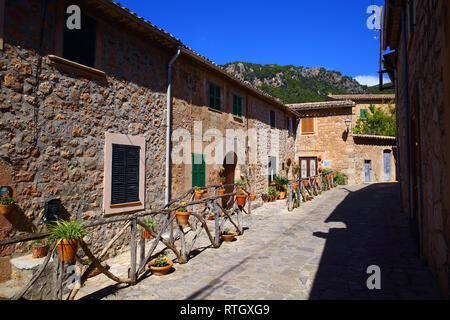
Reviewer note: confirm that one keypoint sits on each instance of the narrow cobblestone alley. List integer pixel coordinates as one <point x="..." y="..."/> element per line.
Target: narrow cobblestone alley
<point x="319" y="251"/>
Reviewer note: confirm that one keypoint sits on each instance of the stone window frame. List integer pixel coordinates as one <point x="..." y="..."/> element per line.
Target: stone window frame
<point x="126" y="139"/>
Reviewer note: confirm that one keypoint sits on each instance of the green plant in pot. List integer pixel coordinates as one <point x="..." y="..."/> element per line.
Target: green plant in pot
<point x="241" y="184"/>
<point x="241" y="197"/>
<point x="228" y="235"/>
<point x="281" y="183"/>
<point x="272" y="193"/>
<point x="6" y="203"/>
<point x="67" y="234"/>
<point x="183" y="214"/>
<point x="161" y="265"/>
<point x="151" y="224"/>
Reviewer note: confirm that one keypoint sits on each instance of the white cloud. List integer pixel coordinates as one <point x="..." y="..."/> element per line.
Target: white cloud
<point x="370" y="80"/>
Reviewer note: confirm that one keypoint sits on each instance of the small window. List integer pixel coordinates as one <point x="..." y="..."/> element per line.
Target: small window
<point x="237" y="106"/>
<point x="307" y="125"/>
<point x="198" y="170"/>
<point x="272" y="118"/>
<point x="363" y="114"/>
<point x="214" y="96"/>
<point x="125" y="174"/>
<point x="79" y="45"/>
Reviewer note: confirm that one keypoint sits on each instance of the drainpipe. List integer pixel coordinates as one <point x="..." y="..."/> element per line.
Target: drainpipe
<point x="168" y="125"/>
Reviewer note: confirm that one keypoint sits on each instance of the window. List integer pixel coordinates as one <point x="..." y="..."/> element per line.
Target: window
<point x="124" y="173"/>
<point x="198" y="170"/>
<point x="272" y="118"/>
<point x="307" y="125"/>
<point x="79" y="45"/>
<point x="363" y="114"/>
<point x="214" y="96"/>
<point x="237" y="106"/>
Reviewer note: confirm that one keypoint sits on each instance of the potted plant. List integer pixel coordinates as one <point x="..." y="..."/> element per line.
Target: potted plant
<point x="294" y="185"/>
<point x="228" y="235"/>
<point x="309" y="197"/>
<point x="183" y="215"/>
<point x="151" y="224"/>
<point x="160" y="266"/>
<point x="252" y="197"/>
<point x="199" y="193"/>
<point x="240" y="184"/>
<point x="67" y="234"/>
<point x="265" y="197"/>
<point x="94" y="272"/>
<point x="281" y="183"/>
<point x="272" y="193"/>
<point x="6" y="204"/>
<point x="320" y="169"/>
<point x="306" y="183"/>
<point x="39" y="248"/>
<point x="241" y="197"/>
<point x="221" y="191"/>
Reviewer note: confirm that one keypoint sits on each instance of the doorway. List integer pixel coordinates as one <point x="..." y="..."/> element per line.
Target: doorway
<point x="387" y="165"/>
<point x="229" y="163"/>
<point x="272" y="168"/>
<point x="367" y="171"/>
<point x="308" y="166"/>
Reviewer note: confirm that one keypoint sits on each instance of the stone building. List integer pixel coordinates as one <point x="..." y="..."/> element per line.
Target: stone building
<point x="325" y="139"/>
<point x="78" y="107"/>
<point x="417" y="34"/>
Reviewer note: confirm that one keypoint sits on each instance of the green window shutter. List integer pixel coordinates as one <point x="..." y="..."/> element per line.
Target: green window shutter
<point x="234" y="105"/>
<point x="198" y="170"/>
<point x="237" y="105"/>
<point x="240" y="107"/>
<point x="212" y="93"/>
<point x="218" y="102"/>
<point x="125" y="174"/>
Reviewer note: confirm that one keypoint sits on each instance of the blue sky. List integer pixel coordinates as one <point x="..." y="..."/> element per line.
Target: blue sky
<point x="321" y="33"/>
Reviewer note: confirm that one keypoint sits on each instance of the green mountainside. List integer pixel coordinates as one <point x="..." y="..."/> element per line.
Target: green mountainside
<point x="294" y="84"/>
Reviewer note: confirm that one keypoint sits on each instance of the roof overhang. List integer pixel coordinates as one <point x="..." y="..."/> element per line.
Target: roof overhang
<point x="392" y="24"/>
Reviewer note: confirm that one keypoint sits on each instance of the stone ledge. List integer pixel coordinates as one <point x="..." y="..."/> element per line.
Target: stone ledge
<point x="75" y="67"/>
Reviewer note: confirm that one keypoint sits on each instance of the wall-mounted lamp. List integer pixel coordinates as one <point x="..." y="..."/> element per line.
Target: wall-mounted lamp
<point x="348" y="122"/>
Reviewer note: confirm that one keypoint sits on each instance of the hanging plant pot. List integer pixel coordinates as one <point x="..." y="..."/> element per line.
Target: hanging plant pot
<point x="228" y="237"/>
<point x="160" y="271"/>
<point x="39" y="251"/>
<point x="241" y="199"/>
<point x="145" y="234"/>
<point x="221" y="191"/>
<point x="320" y="169"/>
<point x="6" y="208"/>
<point x="282" y="195"/>
<point x="67" y="249"/>
<point x="319" y="158"/>
<point x="252" y="197"/>
<point x="183" y="217"/>
<point x="295" y="186"/>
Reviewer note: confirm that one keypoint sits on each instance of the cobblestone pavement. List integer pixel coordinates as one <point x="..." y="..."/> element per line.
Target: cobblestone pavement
<point x="319" y="251"/>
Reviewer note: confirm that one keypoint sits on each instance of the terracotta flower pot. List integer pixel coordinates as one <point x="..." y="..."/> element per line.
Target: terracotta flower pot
<point x="183" y="217"/>
<point x="6" y="208"/>
<point x="228" y="237"/>
<point x="306" y="183"/>
<point x="160" y="271"/>
<point x="317" y="180"/>
<point x="253" y="197"/>
<point x="319" y="191"/>
<point x="334" y="174"/>
<point x="241" y="199"/>
<point x="211" y="217"/>
<point x="328" y="178"/>
<point x="39" y="251"/>
<point x="145" y="234"/>
<point x="67" y="249"/>
<point x="295" y="186"/>
<point x="282" y="195"/>
<point x="309" y="198"/>
<point x="320" y="169"/>
<point x="198" y="195"/>
<point x="220" y="192"/>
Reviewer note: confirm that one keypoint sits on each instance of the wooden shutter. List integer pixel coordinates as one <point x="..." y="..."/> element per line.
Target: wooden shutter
<point x="79" y="45"/>
<point x="125" y="174"/>
<point x="307" y="125"/>
<point x="198" y="170"/>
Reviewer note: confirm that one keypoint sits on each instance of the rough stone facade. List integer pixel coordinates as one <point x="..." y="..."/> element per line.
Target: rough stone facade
<point x="422" y="74"/>
<point x="54" y="118"/>
<point x="344" y="152"/>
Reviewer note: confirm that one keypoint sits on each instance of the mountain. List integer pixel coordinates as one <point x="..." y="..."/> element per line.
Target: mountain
<point x="294" y="84"/>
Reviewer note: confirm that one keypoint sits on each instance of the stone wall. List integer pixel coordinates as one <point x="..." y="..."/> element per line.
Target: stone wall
<point x="53" y="121"/>
<point x="425" y="187"/>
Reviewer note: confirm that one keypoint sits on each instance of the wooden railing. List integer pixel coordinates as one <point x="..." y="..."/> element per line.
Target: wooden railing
<point x="307" y="188"/>
<point x="201" y="211"/>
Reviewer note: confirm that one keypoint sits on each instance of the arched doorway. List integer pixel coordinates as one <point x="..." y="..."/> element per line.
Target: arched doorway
<point x="229" y="163"/>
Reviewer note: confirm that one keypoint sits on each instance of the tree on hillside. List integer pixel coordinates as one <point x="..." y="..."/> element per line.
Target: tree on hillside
<point x="377" y="122"/>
